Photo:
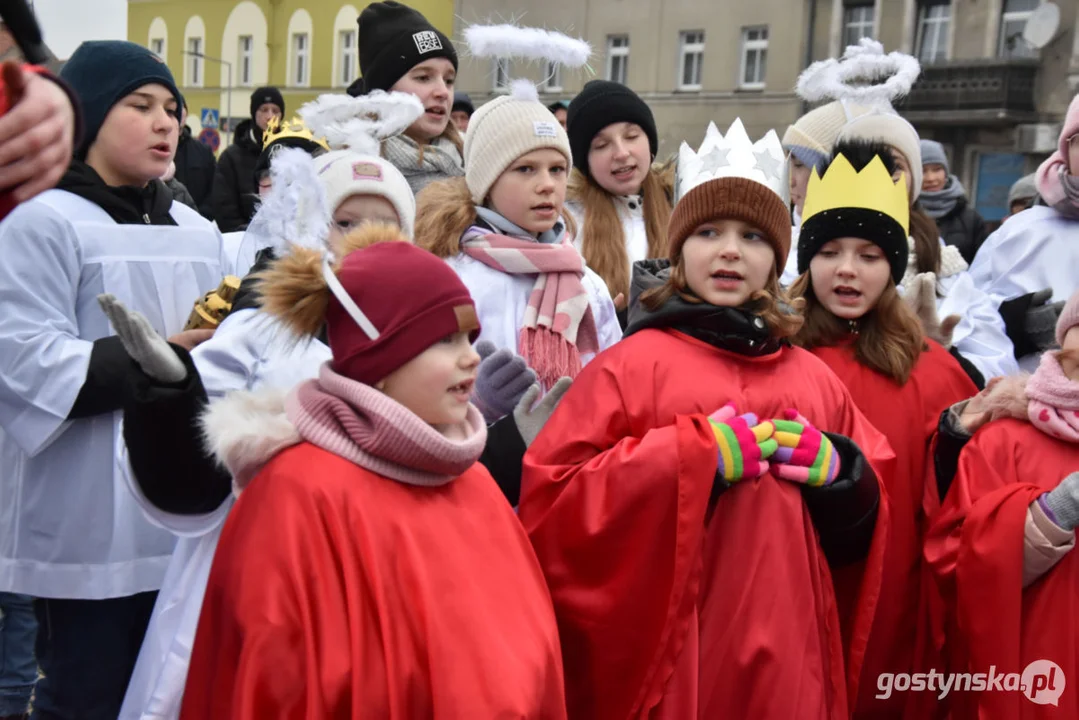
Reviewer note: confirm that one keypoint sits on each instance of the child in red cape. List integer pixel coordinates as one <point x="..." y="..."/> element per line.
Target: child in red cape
<point x="851" y="257"/>
<point x="371" y="567"/>
<point x="691" y="578"/>
<point x="1001" y="546"/>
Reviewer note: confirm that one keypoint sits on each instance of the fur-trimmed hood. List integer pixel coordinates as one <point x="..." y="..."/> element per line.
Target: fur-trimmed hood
<point x="245" y="430"/>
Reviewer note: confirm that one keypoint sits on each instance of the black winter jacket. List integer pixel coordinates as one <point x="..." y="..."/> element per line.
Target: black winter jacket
<point x="195" y="168"/>
<point x="964" y="228"/>
<point x="235" y="191"/>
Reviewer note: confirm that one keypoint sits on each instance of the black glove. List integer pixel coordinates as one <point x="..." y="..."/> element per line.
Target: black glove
<point x="1030" y="321"/>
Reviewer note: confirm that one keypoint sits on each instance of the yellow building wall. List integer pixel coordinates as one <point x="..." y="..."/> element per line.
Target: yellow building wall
<point x="277" y="13"/>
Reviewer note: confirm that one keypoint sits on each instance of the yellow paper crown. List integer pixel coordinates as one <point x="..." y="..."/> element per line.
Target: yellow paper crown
<point x="294" y="128"/>
<point x="871" y="189"/>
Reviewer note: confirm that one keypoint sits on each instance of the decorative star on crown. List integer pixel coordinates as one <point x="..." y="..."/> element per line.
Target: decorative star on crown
<point x="294" y="129"/>
<point x="734" y="155"/>
<point x="870" y="189"/>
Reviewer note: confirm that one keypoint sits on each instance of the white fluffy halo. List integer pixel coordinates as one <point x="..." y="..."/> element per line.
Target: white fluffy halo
<point x="864" y="75"/>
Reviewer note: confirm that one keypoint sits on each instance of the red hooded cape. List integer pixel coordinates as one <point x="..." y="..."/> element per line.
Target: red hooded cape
<point x="663" y="610"/>
<point x="908" y="415"/>
<point x="337" y="593"/>
<point x="975" y="549"/>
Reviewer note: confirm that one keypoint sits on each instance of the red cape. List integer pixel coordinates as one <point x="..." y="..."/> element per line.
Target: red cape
<point x="337" y="593"/>
<point x="975" y="549"/>
<point x="908" y="416"/>
<point x="664" y="612"/>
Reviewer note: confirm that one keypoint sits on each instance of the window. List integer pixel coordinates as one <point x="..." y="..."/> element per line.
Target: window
<point x="1013" y="20"/>
<point x="754" y="58"/>
<point x="301" y="73"/>
<point x="347" y="61"/>
<point x="502" y="74"/>
<point x="857" y="23"/>
<point x="689" y="75"/>
<point x="247" y="45"/>
<point x="194" y="62"/>
<point x="157" y="47"/>
<point x="552" y="80"/>
<point x="934" y="19"/>
<point x="618" y="58"/>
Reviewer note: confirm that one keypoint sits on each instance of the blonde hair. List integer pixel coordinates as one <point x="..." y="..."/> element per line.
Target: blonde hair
<point x="603" y="242"/>
<point x="445" y="210"/>
<point x="889" y="340"/>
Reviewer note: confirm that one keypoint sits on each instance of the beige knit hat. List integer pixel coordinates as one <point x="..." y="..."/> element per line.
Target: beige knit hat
<point x="818" y="130"/>
<point x="344" y="173"/>
<point x="502" y="131"/>
<point x="890" y="129"/>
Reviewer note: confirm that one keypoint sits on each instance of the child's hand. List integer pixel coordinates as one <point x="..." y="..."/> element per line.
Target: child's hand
<point x="805" y="455"/>
<point x="744" y="444"/>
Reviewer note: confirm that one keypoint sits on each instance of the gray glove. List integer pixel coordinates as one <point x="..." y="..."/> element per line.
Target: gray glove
<point x="530" y="420"/>
<point x="1041" y="320"/>
<point x="149" y="350"/>
<point x="501" y="381"/>
<point x="1063" y="500"/>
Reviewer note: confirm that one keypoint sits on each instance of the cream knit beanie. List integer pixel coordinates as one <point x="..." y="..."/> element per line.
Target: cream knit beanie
<point x="344" y="173"/>
<point x="502" y="131"/>
<point x="818" y="130"/>
<point x="890" y="129"/>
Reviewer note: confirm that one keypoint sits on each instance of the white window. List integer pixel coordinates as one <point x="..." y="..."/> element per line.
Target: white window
<point x="244" y="59"/>
<point x="502" y="75"/>
<point x="618" y="58"/>
<point x="347" y="61"/>
<point x="934" y="20"/>
<point x="754" y="58"/>
<point x="301" y="71"/>
<point x="1013" y="20"/>
<point x="689" y="71"/>
<point x="157" y="47"/>
<point x="857" y="23"/>
<point x="194" y="62"/>
<point x="552" y="80"/>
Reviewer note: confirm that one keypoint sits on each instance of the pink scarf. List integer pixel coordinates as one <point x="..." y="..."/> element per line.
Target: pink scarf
<point x="1053" y="405"/>
<point x="360" y="424"/>
<point x="558" y="326"/>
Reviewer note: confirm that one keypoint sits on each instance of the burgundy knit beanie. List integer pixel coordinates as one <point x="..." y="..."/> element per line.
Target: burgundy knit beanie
<point x="412" y="298"/>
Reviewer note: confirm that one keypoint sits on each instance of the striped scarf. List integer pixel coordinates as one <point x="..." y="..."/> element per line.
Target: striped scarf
<point x="558" y="326"/>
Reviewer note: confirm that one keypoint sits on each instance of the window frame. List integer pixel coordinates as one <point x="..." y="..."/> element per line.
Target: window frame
<point x="195" y="76"/>
<point x="347" y="60"/>
<point x="686" y="50"/>
<point x="245" y="59"/>
<point x="757" y="45"/>
<point x="848" y="23"/>
<point x="1006" y="16"/>
<point x="301" y="60"/>
<point x="619" y="53"/>
<point x="501" y="68"/>
<point x="552" y="79"/>
<point x="923" y="21"/>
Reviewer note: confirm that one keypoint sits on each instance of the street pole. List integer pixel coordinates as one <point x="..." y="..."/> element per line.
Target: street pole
<point x="228" y="67"/>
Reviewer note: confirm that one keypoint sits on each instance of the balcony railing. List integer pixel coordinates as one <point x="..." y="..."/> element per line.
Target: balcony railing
<point x="1002" y="86"/>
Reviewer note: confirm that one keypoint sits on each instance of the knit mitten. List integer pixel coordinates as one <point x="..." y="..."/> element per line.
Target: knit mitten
<point x="805" y="454"/>
<point x="744" y="444"/>
<point x="1062" y="503"/>
<point x="502" y="380"/>
<point x="921" y="296"/>
<point x="149" y="350"/>
<point x="1041" y="320"/>
<point x="530" y="420"/>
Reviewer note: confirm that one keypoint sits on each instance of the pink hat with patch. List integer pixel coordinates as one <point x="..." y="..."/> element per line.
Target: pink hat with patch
<point x="344" y="173"/>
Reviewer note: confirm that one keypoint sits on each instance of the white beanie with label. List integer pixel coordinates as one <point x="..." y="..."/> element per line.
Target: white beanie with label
<point x="344" y="173"/>
<point x="502" y="131"/>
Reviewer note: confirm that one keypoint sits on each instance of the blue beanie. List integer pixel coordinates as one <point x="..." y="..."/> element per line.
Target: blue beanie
<point x="103" y="72"/>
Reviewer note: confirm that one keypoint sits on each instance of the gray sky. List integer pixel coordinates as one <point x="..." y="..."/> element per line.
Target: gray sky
<point x="66" y="23"/>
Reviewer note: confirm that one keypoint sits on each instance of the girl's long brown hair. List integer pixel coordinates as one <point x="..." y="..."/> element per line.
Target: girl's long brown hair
<point x="926" y="240"/>
<point x="889" y="339"/>
<point x="603" y="242"/>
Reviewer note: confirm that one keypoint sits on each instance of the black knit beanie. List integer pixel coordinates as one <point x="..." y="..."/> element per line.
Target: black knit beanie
<point x="395" y="38"/>
<point x="599" y="104"/>
<point x="266" y="95"/>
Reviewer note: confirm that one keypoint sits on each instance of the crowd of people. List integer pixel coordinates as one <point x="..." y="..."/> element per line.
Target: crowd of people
<point x="508" y="416"/>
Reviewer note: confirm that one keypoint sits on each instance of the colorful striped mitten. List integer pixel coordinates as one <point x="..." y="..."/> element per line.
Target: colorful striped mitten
<point x="744" y="444"/>
<point x="805" y="455"/>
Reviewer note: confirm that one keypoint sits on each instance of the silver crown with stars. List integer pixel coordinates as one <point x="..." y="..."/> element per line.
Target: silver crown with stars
<point x="734" y="155"/>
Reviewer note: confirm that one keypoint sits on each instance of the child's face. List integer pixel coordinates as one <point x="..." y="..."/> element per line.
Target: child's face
<point x="355" y="210"/>
<point x="432" y="82"/>
<point x="436" y="384"/>
<point x="265" y="113"/>
<point x="530" y="192"/>
<point x="849" y="275"/>
<point x="934" y="177"/>
<point x="138" y="139"/>
<point x="726" y="261"/>
<point x="799" y="181"/>
<point x="460" y="120"/>
<point x="619" y="158"/>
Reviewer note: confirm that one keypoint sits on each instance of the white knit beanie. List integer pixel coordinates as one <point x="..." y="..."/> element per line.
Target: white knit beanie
<point x="502" y="131"/>
<point x="890" y="129"/>
<point x="344" y="173"/>
<point x="818" y="130"/>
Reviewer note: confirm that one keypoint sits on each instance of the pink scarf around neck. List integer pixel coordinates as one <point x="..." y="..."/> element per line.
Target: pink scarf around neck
<point x="1053" y="400"/>
<point x="360" y="424"/>
<point x="558" y="326"/>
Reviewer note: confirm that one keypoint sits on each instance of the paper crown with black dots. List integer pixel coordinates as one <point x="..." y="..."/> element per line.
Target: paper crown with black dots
<point x="867" y="204"/>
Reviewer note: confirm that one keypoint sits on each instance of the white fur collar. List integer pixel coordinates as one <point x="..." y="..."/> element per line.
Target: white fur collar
<point x="244" y="430"/>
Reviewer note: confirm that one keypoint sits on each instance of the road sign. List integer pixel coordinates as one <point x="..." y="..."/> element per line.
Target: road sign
<point x="210" y="118"/>
<point x="210" y="138"/>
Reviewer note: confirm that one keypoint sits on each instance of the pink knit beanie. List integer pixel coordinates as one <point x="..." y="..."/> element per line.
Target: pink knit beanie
<point x="1070" y="317"/>
<point x="1071" y="127"/>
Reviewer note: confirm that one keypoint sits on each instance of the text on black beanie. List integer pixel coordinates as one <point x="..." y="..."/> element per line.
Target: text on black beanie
<point x="395" y="38"/>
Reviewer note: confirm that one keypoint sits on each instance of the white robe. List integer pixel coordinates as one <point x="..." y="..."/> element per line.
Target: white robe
<point x="1034" y="250"/>
<point x="69" y="527"/>
<point x="249" y="351"/>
